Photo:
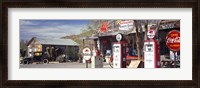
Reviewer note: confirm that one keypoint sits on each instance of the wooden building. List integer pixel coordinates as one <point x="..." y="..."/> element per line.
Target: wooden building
<point x="68" y="46"/>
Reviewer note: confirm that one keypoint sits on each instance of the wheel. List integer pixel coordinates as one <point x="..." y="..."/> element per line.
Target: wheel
<point x="45" y="61"/>
<point x="25" y="62"/>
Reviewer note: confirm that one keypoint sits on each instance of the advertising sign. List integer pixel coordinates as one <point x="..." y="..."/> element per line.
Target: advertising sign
<point x="104" y="26"/>
<point x="87" y="53"/>
<point x="126" y="25"/>
<point x="119" y="37"/>
<point x="173" y="40"/>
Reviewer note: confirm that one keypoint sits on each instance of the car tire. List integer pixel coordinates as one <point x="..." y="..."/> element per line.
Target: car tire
<point x="45" y="61"/>
<point x="25" y="62"/>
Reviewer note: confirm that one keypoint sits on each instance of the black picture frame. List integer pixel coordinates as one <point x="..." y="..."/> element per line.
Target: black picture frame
<point x="194" y="4"/>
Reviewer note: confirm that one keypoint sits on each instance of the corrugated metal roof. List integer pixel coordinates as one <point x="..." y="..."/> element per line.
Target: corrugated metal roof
<point x="57" y="41"/>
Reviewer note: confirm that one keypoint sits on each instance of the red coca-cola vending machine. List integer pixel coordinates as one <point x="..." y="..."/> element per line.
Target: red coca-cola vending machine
<point x="119" y="52"/>
<point x="151" y="51"/>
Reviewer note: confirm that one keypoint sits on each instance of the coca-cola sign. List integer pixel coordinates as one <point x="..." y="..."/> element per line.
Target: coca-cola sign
<point x="173" y="40"/>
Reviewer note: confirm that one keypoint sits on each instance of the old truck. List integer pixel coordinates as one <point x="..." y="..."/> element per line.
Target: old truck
<point x="46" y="57"/>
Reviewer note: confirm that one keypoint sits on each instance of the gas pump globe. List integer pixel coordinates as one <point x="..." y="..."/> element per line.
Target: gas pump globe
<point x="151" y="51"/>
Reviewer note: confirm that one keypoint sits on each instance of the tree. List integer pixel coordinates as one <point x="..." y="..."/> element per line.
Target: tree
<point x="139" y="24"/>
<point x="136" y="23"/>
<point x="23" y="48"/>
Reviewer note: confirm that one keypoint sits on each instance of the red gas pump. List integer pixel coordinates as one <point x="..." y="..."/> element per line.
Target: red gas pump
<point x="119" y="52"/>
<point x="151" y="51"/>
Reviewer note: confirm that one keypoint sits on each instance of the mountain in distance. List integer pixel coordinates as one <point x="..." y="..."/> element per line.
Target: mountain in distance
<point x="77" y="38"/>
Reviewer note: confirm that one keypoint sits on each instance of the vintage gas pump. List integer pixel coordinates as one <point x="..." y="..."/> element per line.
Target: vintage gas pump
<point x="119" y="52"/>
<point x="97" y="61"/>
<point x="151" y="51"/>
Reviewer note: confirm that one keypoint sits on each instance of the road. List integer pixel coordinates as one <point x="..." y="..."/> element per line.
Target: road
<point x="61" y="65"/>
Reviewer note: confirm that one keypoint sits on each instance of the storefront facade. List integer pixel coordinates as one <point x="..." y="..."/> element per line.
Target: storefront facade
<point x="106" y="40"/>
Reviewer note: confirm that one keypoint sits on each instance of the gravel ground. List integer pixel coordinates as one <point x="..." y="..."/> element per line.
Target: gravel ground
<point x="61" y="65"/>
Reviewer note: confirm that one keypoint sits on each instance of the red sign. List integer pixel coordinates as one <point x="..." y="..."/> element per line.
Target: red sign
<point x="173" y="40"/>
<point x="86" y="53"/>
<point x="151" y="34"/>
<point x="104" y="26"/>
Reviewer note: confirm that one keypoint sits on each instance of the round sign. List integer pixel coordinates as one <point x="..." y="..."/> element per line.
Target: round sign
<point x="119" y="37"/>
<point x="151" y="34"/>
<point x="87" y="53"/>
<point x="173" y="40"/>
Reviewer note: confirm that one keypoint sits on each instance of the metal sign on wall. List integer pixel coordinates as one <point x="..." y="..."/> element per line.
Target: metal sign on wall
<point x="126" y="25"/>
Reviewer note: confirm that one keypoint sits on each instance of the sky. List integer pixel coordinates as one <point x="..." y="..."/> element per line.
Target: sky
<point x="50" y="28"/>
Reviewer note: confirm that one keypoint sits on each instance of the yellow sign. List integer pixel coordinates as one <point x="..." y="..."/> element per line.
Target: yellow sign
<point x="118" y="21"/>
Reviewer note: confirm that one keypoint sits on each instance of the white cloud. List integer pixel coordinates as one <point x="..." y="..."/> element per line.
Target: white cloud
<point x="26" y="22"/>
<point x="50" y="31"/>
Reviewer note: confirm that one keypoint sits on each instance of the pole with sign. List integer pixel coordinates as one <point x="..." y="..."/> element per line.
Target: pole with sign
<point x="87" y="55"/>
<point x="173" y="43"/>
